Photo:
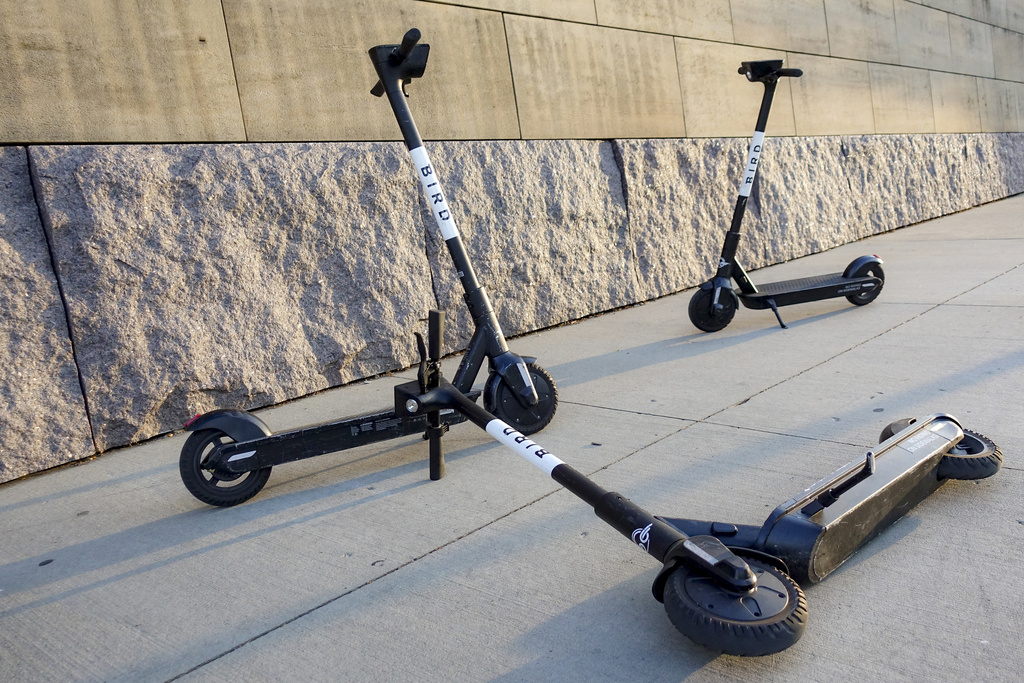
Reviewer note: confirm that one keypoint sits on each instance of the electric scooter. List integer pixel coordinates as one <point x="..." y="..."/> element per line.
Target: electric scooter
<point x="229" y="456"/>
<point x="730" y="587"/>
<point x="715" y="302"/>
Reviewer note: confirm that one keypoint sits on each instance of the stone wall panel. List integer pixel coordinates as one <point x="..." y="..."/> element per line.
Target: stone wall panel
<point x="231" y="276"/>
<point x="544" y="224"/>
<point x="43" y="419"/>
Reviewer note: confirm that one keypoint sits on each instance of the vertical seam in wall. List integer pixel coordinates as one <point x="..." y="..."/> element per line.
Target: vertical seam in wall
<point x="512" y="74"/>
<point x="620" y="164"/>
<point x="896" y="28"/>
<point x="234" y="72"/>
<point x="46" y="225"/>
<point x="828" y="35"/>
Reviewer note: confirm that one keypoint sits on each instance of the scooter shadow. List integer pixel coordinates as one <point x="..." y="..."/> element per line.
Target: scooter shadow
<point x="609" y="638"/>
<point x="634" y="358"/>
<point x="187" y="528"/>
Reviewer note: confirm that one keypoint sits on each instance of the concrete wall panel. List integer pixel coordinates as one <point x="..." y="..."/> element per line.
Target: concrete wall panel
<point x="1002" y="106"/>
<point x="303" y="72"/>
<point x="706" y="19"/>
<point x="833" y="96"/>
<point x="578" y="81"/>
<point x="568" y="10"/>
<point x="797" y="25"/>
<point x="901" y="99"/>
<point x="717" y="101"/>
<point x="101" y="70"/>
<point x="1008" y="54"/>
<point x="955" y="103"/>
<point x="923" y="36"/>
<point x="971" y="47"/>
<point x="862" y="30"/>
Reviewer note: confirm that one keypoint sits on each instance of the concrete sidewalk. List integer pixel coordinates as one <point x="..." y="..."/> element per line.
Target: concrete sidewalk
<point x="354" y="566"/>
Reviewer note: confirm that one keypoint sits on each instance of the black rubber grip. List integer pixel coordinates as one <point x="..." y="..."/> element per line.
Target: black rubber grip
<point x="794" y="73"/>
<point x="412" y="36"/>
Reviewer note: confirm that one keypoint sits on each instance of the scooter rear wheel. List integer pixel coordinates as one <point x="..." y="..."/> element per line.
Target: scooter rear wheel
<point x="975" y="457"/>
<point x="864" y="298"/>
<point x="702" y="311"/>
<point x="500" y="401"/>
<point x="768" y="620"/>
<point x="221" y="489"/>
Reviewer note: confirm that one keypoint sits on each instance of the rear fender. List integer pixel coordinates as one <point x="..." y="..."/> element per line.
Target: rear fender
<point x="860" y="263"/>
<point x="238" y="424"/>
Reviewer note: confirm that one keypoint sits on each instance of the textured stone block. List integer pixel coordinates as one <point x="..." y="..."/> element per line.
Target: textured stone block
<point x="955" y="103"/>
<point x="303" y="71"/>
<point x="901" y="180"/>
<point x="106" y="71"/>
<point x="43" y="421"/>
<point x="682" y="193"/>
<point x="901" y="99"/>
<point x="797" y="25"/>
<point x="717" y="101"/>
<point x="832" y="97"/>
<point x="544" y="223"/>
<point x="576" y="81"/>
<point x="202" y="276"/>
<point x="971" y="47"/>
<point x="705" y="19"/>
<point x="863" y="30"/>
<point x="923" y="36"/>
<point x="1008" y="54"/>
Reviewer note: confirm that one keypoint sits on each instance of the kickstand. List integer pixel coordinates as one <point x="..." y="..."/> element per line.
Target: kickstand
<point x="431" y="378"/>
<point x="775" y="310"/>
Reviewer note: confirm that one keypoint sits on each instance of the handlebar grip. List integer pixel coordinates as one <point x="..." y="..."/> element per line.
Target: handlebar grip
<point x="412" y="36"/>
<point x="794" y="73"/>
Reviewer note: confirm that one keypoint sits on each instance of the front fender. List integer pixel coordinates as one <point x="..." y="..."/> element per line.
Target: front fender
<point x="238" y="424"/>
<point x="860" y="263"/>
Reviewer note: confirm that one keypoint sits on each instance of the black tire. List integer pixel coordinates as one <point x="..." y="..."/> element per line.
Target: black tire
<point x="769" y="620"/>
<point x="864" y="298"/>
<point x="502" y="403"/>
<point x="221" y="489"/>
<point x="975" y="457"/>
<point x="702" y="313"/>
<point x="895" y="427"/>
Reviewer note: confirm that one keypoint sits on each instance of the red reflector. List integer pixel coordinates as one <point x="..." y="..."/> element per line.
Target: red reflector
<point x="189" y="423"/>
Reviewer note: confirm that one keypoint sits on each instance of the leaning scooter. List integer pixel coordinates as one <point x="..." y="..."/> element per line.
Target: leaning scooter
<point x="714" y="304"/>
<point x="229" y="456"/>
<point x="729" y="587"/>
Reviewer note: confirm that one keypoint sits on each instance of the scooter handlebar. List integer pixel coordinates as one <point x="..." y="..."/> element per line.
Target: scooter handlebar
<point x="412" y="36"/>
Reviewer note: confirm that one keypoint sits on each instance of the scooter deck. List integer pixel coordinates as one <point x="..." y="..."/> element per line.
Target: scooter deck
<point x="802" y="290"/>
<point x="323" y="438"/>
<point x="816" y="531"/>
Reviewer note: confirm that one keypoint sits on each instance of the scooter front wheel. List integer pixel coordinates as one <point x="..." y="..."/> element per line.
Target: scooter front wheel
<point x="500" y="401"/>
<point x="216" y="488"/>
<point x="767" y="620"/>
<point x="864" y="298"/>
<point x="702" y="309"/>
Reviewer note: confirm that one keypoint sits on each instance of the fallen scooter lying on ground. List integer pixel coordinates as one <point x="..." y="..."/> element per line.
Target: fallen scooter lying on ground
<point x="714" y="304"/>
<point x="228" y="458"/>
<point x="724" y="586"/>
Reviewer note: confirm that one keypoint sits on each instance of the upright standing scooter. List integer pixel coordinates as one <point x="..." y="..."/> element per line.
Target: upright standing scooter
<point x="228" y="458"/>
<point x="714" y="304"/>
